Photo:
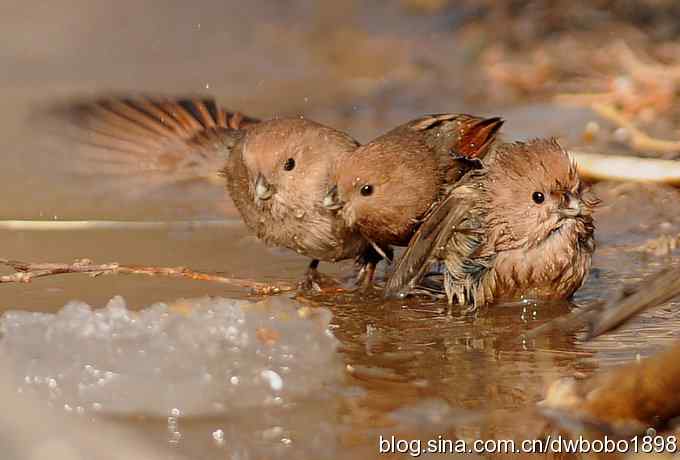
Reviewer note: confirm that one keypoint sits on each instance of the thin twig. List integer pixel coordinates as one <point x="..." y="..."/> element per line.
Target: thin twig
<point x="639" y="140"/>
<point x="568" y="323"/>
<point x="653" y="291"/>
<point x="603" y="316"/>
<point x="26" y="272"/>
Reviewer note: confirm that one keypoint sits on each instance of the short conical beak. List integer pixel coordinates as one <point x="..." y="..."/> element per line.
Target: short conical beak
<point x="263" y="189"/>
<point x="332" y="200"/>
<point x="571" y="206"/>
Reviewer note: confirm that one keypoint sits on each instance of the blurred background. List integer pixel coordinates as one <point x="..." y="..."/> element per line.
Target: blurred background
<point x="359" y="66"/>
<point x="600" y="75"/>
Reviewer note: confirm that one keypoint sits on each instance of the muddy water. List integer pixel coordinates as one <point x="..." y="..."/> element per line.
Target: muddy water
<point x="406" y="362"/>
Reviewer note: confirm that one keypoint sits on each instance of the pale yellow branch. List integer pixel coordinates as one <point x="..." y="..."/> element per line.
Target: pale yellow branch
<point x="638" y="139"/>
<point x="627" y="168"/>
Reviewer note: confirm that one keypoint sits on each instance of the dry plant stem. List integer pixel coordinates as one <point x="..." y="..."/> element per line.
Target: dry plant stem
<point x="597" y="166"/>
<point x="653" y="291"/>
<point x="645" y="70"/>
<point x="638" y="139"/>
<point x="26" y="272"/>
<point x="600" y="317"/>
<point x="604" y="107"/>
<point x="566" y="323"/>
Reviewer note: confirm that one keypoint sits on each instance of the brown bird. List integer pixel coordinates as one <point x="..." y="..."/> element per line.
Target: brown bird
<point x="520" y="227"/>
<point x="276" y="171"/>
<point x="384" y="188"/>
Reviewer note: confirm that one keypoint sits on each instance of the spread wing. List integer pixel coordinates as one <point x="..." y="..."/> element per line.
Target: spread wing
<point x="157" y="139"/>
<point x="451" y="231"/>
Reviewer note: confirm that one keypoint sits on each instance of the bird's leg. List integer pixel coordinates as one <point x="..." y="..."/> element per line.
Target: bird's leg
<point x="364" y="278"/>
<point x="368" y="262"/>
<point x="312" y="279"/>
<point x="316" y="282"/>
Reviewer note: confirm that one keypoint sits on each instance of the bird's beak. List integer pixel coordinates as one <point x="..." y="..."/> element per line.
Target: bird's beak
<point x="263" y="189"/>
<point x="571" y="206"/>
<point x="332" y="200"/>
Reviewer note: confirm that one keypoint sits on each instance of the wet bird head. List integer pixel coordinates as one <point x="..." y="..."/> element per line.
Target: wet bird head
<point x="383" y="186"/>
<point x="533" y="192"/>
<point x="289" y="161"/>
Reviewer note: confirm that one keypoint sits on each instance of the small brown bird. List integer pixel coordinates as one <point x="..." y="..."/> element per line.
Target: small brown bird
<point x="384" y="188"/>
<point x="520" y="227"/>
<point x="276" y="171"/>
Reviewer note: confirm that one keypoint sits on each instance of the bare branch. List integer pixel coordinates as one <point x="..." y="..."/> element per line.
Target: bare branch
<point x="26" y="272"/>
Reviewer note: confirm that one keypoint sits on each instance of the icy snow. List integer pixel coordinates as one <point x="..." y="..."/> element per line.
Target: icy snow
<point x="195" y="357"/>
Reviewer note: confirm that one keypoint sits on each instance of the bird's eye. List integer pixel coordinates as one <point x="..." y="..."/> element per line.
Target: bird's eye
<point x="289" y="164"/>
<point x="538" y="197"/>
<point x="367" y="190"/>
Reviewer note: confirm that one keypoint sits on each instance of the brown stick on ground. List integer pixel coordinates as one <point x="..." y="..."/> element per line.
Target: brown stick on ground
<point x="603" y="316"/>
<point x="26" y="272"/>
<point x="653" y="291"/>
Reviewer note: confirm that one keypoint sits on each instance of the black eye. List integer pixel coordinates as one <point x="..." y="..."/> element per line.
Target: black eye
<point x="367" y="190"/>
<point x="289" y="164"/>
<point x="538" y="197"/>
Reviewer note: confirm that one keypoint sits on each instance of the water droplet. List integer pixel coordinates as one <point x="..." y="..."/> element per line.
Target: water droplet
<point x="272" y="433"/>
<point x="274" y="379"/>
<point x="218" y="436"/>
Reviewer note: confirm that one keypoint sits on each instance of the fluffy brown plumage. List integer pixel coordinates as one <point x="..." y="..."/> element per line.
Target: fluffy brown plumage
<point x="277" y="175"/>
<point x="276" y="171"/>
<point x="385" y="188"/>
<point x="521" y="227"/>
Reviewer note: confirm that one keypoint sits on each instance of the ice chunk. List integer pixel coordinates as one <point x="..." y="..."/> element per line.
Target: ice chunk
<point x="196" y="357"/>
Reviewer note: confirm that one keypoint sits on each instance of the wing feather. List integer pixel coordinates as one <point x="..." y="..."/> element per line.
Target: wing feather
<point x="169" y="140"/>
<point x="450" y="226"/>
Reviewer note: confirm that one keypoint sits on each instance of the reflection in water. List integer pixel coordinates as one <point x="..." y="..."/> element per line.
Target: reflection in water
<point x="411" y="366"/>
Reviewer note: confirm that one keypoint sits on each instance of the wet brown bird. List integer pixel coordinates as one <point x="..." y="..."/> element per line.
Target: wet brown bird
<point x="521" y="227"/>
<point x="276" y="171"/>
<point x="384" y="188"/>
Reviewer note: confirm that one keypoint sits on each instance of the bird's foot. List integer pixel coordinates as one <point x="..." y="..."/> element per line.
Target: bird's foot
<point x="365" y="279"/>
<point x="315" y="282"/>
